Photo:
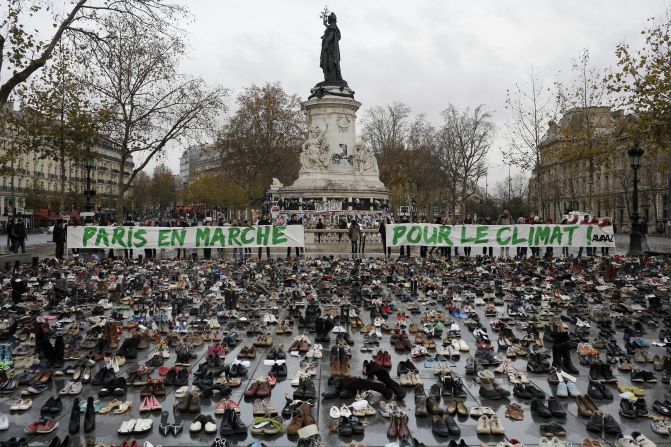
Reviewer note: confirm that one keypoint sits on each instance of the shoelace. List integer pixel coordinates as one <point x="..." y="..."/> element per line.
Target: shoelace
<point x="275" y="423"/>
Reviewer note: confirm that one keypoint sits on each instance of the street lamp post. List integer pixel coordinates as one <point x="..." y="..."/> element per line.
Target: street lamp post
<point x="635" y="235"/>
<point x="88" y="165"/>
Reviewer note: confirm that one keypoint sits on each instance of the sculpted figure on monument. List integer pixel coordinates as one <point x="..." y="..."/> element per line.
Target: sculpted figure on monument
<point x="315" y="154"/>
<point x="329" y="59"/>
<point x="364" y="160"/>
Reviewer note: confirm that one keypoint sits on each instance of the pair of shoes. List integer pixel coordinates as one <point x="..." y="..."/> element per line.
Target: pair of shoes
<point x="175" y="428"/>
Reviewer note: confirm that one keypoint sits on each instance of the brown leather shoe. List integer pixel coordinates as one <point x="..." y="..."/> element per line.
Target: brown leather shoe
<point x="295" y="424"/>
<point x="252" y="390"/>
<point x="263" y="390"/>
<point x="308" y="418"/>
<point x="392" y="431"/>
<point x="251" y="352"/>
<point x="403" y="430"/>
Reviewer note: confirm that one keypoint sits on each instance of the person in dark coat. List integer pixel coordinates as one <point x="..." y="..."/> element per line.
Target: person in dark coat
<point x="383" y="235"/>
<point x="59" y="237"/>
<point x="264" y="220"/>
<point x="293" y="221"/>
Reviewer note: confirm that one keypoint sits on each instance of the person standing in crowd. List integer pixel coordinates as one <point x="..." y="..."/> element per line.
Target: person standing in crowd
<point x="405" y="250"/>
<point x="354" y="233"/>
<point x="521" y="252"/>
<point x="446" y="251"/>
<point x="207" y="251"/>
<point x="10" y="222"/>
<point x="535" y="251"/>
<point x="293" y="220"/>
<point x="487" y="220"/>
<point x="605" y="222"/>
<point x="342" y="225"/>
<point x="59" y="237"/>
<point x="504" y="219"/>
<point x="585" y="221"/>
<point x="149" y="253"/>
<point x="468" y="220"/>
<point x="383" y="236"/>
<point x="74" y="222"/>
<point x="319" y="226"/>
<point x="264" y="220"/>
<point x="128" y="252"/>
<point x="423" y="249"/>
<point x="237" y="252"/>
<point x="246" y="251"/>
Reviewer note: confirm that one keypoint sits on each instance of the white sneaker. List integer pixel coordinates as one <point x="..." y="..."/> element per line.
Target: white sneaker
<point x="483" y="426"/>
<point x="642" y="440"/>
<point x="625" y="441"/>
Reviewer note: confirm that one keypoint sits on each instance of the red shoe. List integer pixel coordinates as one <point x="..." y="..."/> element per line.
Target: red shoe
<point x="387" y="359"/>
<point x="379" y="358"/>
<point x="398" y="316"/>
<point x="46" y="425"/>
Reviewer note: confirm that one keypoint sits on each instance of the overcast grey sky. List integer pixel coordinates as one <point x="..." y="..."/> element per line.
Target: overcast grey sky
<point x="426" y="53"/>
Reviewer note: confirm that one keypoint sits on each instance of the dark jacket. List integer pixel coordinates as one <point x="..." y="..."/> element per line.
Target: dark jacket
<point x="60" y="234"/>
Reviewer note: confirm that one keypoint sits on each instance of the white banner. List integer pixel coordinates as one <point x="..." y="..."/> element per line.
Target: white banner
<point x="186" y="237"/>
<point x="549" y="235"/>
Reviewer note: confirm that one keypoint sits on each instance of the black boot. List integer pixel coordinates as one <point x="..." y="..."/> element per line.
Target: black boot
<point x="74" y="417"/>
<point x="89" y="416"/>
<point x="558" y="339"/>
<point x="565" y="350"/>
<point x="49" y="352"/>
<point x="59" y="352"/>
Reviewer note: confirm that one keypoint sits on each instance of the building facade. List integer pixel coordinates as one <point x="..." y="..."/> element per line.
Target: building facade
<point x="29" y="172"/>
<point x="188" y="164"/>
<point x="592" y="174"/>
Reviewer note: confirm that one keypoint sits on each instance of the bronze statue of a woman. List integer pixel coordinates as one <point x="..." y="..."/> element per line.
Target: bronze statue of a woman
<point x="329" y="60"/>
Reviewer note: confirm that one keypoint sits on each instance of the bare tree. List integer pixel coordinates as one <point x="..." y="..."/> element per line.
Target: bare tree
<point x="589" y="127"/>
<point x="23" y="51"/>
<point x="462" y="144"/>
<point x="531" y="108"/>
<point x="386" y="127"/>
<point x="149" y="103"/>
<point x="262" y="139"/>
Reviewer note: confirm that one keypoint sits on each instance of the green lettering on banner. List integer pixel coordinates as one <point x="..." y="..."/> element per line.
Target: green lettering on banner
<point x="140" y="240"/>
<point x="218" y="237"/>
<point x="117" y="236"/>
<point x="542" y="233"/>
<point x="163" y="236"/>
<point x="499" y="240"/>
<point x="464" y="238"/>
<point x="399" y="231"/>
<point x="177" y="236"/>
<point x="262" y="235"/>
<point x="202" y="235"/>
<point x="481" y="235"/>
<point x="244" y="238"/>
<point x="589" y="235"/>
<point x="415" y="234"/>
<point x="89" y="232"/>
<point x="569" y="230"/>
<point x="444" y="235"/>
<point x="102" y="236"/>
<point x="517" y="240"/>
<point x="531" y="236"/>
<point x="434" y="235"/>
<point x="233" y="233"/>
<point x="278" y="235"/>
<point x="129" y="238"/>
<point x="556" y="235"/>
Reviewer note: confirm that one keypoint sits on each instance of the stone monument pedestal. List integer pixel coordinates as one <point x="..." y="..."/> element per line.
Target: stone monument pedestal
<point x="333" y="166"/>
